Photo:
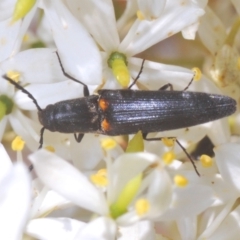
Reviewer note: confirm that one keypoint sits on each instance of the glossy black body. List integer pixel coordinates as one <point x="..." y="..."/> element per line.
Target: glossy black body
<point x="129" y="111"/>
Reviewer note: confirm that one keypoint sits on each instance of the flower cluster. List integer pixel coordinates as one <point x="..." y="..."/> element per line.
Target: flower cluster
<point x="116" y="187"/>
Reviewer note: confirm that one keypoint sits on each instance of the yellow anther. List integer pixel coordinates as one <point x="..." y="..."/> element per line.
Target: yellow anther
<point x="197" y="74"/>
<point x="108" y="143"/>
<point x="180" y="181"/>
<point x="168" y="157"/>
<point x="140" y="15"/>
<point x="14" y="75"/>
<point x="206" y="161"/>
<point x="100" y="178"/>
<point x="22" y="7"/>
<point x="17" y="144"/>
<point x="50" y="149"/>
<point x="142" y="206"/>
<point x="169" y="142"/>
<point x="26" y="38"/>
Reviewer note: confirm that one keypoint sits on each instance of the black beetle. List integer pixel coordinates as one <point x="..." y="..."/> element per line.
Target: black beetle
<point x="120" y="112"/>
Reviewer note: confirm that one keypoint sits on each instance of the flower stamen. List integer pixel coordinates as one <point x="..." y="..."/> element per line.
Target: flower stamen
<point x="100" y="178"/>
<point x="118" y="62"/>
<point x="22" y="7"/>
<point x="142" y="206"/>
<point x="180" y="181"/>
<point x="197" y="74"/>
<point x="206" y="161"/>
<point x="169" y="142"/>
<point x="17" y="144"/>
<point x="108" y="143"/>
<point x="168" y="157"/>
<point x="14" y="75"/>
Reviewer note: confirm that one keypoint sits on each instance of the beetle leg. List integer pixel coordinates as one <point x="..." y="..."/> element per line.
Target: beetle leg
<point x="179" y="144"/>
<point x="85" y="87"/>
<point x="78" y="137"/>
<point x="41" y="137"/>
<point x="166" y="86"/>
<point x="30" y="168"/>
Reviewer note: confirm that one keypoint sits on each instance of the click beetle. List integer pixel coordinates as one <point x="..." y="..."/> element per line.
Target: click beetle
<point x="126" y="111"/>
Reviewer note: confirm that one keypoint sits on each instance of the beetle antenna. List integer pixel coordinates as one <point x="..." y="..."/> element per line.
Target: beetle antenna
<point x="135" y="80"/>
<point x="189" y="84"/>
<point x="85" y="87"/>
<point x="23" y="90"/>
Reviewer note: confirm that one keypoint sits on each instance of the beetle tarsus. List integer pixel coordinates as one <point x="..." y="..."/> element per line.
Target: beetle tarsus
<point x="78" y="137"/>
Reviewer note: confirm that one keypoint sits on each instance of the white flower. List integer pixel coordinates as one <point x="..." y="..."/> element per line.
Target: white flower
<point x="216" y="221"/>
<point x="25" y="65"/>
<point x="223" y="47"/>
<point x="100" y="21"/>
<point x="15" y="191"/>
<point x="11" y="37"/>
<point x="154" y="189"/>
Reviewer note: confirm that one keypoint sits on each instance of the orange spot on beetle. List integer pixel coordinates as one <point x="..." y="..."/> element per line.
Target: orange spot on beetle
<point x="105" y="125"/>
<point x="103" y="104"/>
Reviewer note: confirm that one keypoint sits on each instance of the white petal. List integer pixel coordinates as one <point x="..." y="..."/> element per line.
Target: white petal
<point x="5" y="163"/>
<point x="189" y="202"/>
<point x="6" y="9"/>
<point x="25" y="128"/>
<point x="15" y="202"/>
<point x="8" y="36"/>
<point x="79" y="54"/>
<point x="151" y="9"/>
<point x="39" y="65"/>
<point x="219" y="132"/>
<point x="99" y="19"/>
<point x="229" y="228"/>
<point x="100" y="229"/>
<point x="46" y="94"/>
<point x="212" y="31"/>
<point x="144" y="34"/>
<point x="83" y="156"/>
<point x="130" y="10"/>
<point x="50" y="201"/>
<point x="190" y="31"/>
<point x="228" y="161"/>
<point x="11" y="35"/>
<point x="68" y="181"/>
<point x="54" y="228"/>
<point x="217" y="216"/>
<point x="140" y="231"/>
<point x="159" y="192"/>
<point x="187" y="227"/>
